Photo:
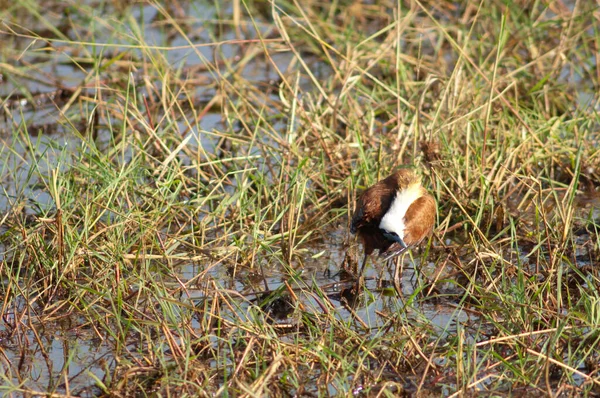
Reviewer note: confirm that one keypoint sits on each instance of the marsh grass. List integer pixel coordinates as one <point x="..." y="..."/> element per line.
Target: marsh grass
<point x="176" y="205"/>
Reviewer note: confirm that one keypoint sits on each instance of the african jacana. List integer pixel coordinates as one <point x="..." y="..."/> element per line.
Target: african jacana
<point x="393" y="215"/>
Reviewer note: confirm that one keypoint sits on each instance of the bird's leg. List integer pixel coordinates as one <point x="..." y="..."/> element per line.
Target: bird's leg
<point x="359" y="279"/>
<point x="363" y="266"/>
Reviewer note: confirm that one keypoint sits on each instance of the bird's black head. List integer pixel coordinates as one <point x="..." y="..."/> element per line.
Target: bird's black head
<point x="393" y="237"/>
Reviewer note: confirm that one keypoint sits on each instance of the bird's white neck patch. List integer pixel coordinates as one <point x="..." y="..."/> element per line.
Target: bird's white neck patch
<point x="393" y="220"/>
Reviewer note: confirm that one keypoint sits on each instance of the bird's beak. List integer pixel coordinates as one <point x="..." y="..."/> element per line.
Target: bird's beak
<point x="399" y="240"/>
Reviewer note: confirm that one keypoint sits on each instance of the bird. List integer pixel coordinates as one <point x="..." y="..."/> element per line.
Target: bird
<point x="393" y="215"/>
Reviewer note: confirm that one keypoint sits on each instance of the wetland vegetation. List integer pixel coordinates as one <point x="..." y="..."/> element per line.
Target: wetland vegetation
<point x="177" y="182"/>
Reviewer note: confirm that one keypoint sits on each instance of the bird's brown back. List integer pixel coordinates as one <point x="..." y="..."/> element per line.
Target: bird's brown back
<point x="377" y="199"/>
<point x="419" y="219"/>
<point x="372" y="206"/>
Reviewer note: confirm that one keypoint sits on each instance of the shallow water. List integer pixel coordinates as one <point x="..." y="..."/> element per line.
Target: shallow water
<point x="69" y="349"/>
<point x="62" y="355"/>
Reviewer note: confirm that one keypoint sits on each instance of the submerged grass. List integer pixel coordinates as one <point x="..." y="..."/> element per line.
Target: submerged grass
<point x="177" y="184"/>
